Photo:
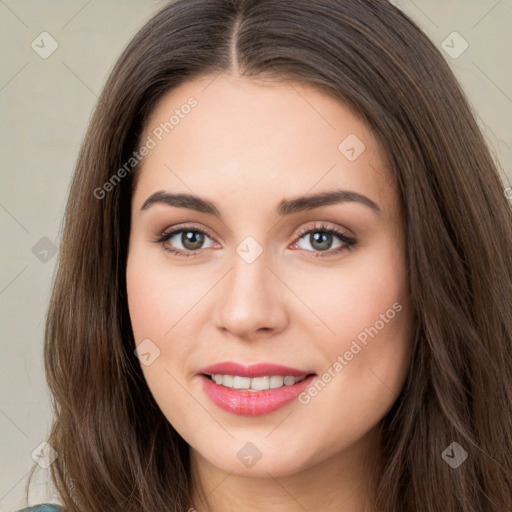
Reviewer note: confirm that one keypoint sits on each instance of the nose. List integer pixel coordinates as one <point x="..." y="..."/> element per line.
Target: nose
<point x="251" y="300"/>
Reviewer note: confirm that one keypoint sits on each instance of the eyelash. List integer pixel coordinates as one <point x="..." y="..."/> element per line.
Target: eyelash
<point x="349" y="242"/>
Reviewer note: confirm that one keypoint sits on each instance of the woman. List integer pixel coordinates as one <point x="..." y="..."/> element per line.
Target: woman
<point x="284" y="277"/>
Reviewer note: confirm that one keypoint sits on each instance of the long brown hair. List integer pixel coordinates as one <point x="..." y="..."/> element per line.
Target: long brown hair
<point x="117" y="451"/>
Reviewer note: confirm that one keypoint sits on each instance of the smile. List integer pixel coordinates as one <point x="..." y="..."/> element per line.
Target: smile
<point x="253" y="390"/>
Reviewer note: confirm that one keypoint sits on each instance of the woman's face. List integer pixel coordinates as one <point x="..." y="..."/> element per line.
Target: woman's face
<point x="259" y="279"/>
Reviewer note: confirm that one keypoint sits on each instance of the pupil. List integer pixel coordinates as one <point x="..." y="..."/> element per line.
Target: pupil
<point x="321" y="240"/>
<point x="192" y="239"/>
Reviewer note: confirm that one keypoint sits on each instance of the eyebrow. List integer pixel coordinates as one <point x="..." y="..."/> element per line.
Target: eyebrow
<point x="285" y="207"/>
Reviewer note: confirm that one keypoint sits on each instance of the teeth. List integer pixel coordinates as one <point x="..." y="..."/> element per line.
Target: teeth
<point x="260" y="383"/>
<point x="227" y="380"/>
<point x="238" y="382"/>
<point x="256" y="383"/>
<point x="276" y="381"/>
<point x="288" y="381"/>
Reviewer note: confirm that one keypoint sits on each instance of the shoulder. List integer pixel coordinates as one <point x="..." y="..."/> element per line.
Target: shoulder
<point x="45" y="507"/>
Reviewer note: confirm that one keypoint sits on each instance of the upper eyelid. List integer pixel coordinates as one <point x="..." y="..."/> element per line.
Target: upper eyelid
<point x="298" y="233"/>
<point x="177" y="229"/>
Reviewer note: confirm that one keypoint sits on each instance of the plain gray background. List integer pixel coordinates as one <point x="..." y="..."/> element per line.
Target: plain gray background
<point x="45" y="104"/>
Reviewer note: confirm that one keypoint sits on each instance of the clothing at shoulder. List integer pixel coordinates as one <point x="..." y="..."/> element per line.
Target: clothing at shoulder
<point x="45" y="507"/>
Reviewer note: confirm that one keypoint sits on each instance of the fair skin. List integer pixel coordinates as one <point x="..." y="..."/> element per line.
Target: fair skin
<point x="247" y="146"/>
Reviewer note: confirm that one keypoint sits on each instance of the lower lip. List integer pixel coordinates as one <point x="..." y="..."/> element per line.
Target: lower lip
<point x="253" y="403"/>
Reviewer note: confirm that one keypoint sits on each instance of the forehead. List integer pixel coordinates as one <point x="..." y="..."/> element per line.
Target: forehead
<point x="263" y="140"/>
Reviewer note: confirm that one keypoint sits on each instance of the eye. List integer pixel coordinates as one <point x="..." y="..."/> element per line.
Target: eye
<point x="321" y="239"/>
<point x="191" y="240"/>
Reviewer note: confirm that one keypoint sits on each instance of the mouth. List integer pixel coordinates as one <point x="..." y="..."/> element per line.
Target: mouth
<point x="253" y="389"/>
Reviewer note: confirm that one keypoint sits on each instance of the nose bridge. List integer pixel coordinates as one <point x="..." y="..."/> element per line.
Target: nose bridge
<point x="249" y="279"/>
<point x="250" y="299"/>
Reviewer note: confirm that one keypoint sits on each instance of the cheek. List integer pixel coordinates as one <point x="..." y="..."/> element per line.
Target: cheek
<point x="354" y="298"/>
<point x="367" y="307"/>
<point x="159" y="295"/>
<point x="149" y="309"/>
<point x="160" y="305"/>
<point x="168" y="309"/>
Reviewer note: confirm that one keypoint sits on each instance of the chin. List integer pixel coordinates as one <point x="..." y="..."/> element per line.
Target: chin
<point x="248" y="459"/>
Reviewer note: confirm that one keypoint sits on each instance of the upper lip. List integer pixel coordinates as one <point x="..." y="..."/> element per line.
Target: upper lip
<point x="253" y="370"/>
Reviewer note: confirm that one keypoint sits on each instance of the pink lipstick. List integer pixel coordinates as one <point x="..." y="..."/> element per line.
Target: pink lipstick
<point x="253" y="389"/>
